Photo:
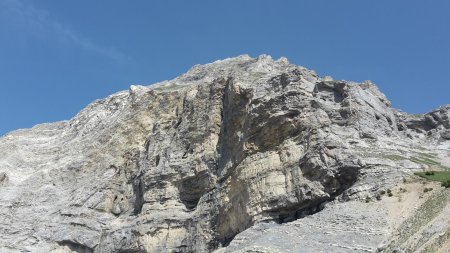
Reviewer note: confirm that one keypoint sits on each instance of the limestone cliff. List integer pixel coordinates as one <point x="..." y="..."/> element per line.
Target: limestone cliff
<point x="240" y="155"/>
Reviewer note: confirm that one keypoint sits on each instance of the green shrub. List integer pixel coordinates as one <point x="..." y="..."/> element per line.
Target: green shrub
<point x="446" y="184"/>
<point x="390" y="194"/>
<point x="429" y="173"/>
<point x="427" y="189"/>
<point x="382" y="192"/>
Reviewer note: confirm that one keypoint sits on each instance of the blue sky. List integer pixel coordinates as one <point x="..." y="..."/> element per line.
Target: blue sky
<point x="58" y="56"/>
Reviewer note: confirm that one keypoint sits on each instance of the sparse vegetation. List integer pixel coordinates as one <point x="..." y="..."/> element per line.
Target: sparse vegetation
<point x="438" y="176"/>
<point x="429" y="159"/>
<point x="389" y="193"/>
<point x="394" y="157"/>
<point x="382" y="192"/>
<point x="425" y="160"/>
<point x="446" y="184"/>
<point x="425" y="213"/>
<point x="427" y="189"/>
<point x="428" y="155"/>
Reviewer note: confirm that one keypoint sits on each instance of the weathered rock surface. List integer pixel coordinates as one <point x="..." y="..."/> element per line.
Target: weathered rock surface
<point x="240" y="155"/>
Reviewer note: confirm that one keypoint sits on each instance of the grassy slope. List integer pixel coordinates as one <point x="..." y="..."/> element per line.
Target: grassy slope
<point x="439" y="176"/>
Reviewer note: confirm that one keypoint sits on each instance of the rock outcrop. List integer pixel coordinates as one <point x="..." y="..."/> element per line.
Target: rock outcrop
<point x="240" y="155"/>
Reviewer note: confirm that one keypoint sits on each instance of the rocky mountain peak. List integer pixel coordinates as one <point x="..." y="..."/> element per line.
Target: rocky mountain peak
<point x="242" y="66"/>
<point x="239" y="155"/>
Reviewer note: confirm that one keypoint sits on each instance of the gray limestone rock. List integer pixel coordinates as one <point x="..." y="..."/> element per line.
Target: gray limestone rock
<point x="240" y="155"/>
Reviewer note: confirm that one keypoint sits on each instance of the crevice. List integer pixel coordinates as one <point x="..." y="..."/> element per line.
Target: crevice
<point x="330" y="91"/>
<point x="280" y="80"/>
<point x="178" y="122"/>
<point x="157" y="159"/>
<point x="147" y="145"/>
<point x="140" y="250"/>
<point x="3" y="178"/>
<point x="346" y="177"/>
<point x="389" y="120"/>
<point x="233" y="119"/>
<point x="292" y="113"/>
<point x="288" y="215"/>
<point x="227" y="240"/>
<point x="188" y="151"/>
<point x="75" y="246"/>
<point x="138" y="190"/>
<point x="192" y="189"/>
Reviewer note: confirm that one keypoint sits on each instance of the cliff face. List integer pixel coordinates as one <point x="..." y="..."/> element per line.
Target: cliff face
<point x="242" y="144"/>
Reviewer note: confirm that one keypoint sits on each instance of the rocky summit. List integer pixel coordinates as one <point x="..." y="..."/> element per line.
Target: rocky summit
<point x="239" y="155"/>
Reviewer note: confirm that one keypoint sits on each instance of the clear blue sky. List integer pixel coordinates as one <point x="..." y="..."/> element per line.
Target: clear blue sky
<point x="58" y="56"/>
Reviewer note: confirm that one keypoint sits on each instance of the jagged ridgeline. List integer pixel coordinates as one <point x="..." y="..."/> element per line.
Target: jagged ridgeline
<point x="240" y="155"/>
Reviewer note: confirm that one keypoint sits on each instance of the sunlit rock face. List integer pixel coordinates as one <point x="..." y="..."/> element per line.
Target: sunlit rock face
<point x="242" y="144"/>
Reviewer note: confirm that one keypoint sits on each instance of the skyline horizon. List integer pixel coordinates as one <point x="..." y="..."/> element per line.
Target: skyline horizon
<point x="57" y="57"/>
<point x="252" y="56"/>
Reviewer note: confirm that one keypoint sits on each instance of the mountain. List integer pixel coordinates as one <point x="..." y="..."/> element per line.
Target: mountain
<point x="240" y="155"/>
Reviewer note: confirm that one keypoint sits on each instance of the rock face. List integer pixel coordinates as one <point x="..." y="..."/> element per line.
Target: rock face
<point x="188" y="165"/>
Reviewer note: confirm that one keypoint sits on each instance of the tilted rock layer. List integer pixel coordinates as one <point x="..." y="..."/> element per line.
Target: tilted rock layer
<point x="240" y="155"/>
